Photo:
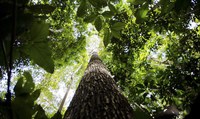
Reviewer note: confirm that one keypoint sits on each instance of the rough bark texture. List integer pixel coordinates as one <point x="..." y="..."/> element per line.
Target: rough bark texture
<point x="97" y="96"/>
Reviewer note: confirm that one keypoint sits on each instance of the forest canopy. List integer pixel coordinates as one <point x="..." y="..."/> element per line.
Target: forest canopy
<point x="151" y="48"/>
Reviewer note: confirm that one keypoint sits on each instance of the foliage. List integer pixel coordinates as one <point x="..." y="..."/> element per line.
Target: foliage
<point x="23" y="104"/>
<point x="156" y="56"/>
<point x="151" y="47"/>
<point x="31" y="33"/>
<point x="38" y="38"/>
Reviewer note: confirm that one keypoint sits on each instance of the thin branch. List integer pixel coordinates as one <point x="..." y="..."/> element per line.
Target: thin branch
<point x="64" y="98"/>
<point x="68" y="88"/>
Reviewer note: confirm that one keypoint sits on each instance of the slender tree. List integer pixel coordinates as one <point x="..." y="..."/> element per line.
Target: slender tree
<point x="97" y="96"/>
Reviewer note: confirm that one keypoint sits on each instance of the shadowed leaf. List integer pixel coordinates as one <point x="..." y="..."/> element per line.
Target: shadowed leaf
<point x="98" y="23"/>
<point x="107" y="37"/>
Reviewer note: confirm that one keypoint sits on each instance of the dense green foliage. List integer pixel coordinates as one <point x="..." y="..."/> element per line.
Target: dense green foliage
<point x="150" y="46"/>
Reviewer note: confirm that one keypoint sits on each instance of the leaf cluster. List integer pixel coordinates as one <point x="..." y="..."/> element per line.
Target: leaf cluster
<point x="155" y="56"/>
<point x="30" y="31"/>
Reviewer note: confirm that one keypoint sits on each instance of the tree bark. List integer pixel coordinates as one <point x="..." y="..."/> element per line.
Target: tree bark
<point x="97" y="96"/>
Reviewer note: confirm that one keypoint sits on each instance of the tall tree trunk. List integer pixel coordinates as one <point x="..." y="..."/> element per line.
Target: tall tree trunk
<point x="97" y="96"/>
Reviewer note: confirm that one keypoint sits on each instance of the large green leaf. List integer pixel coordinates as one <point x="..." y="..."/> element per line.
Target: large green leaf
<point x="25" y="96"/>
<point x="108" y="14"/>
<point x="116" y="33"/>
<point x="90" y="18"/>
<point x="118" y="26"/>
<point x="39" y="31"/>
<point x="82" y="9"/>
<point x="41" y="55"/>
<point x="29" y="85"/>
<point x="98" y="23"/>
<point x="22" y="109"/>
<point x="24" y="85"/>
<point x="18" y="87"/>
<point x="37" y="47"/>
<point x="141" y="13"/>
<point x="112" y="8"/>
<point x="107" y="37"/>
<point x="40" y="113"/>
<point x="35" y="94"/>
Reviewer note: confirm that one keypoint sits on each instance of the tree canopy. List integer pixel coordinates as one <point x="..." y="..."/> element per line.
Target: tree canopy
<point x="151" y="48"/>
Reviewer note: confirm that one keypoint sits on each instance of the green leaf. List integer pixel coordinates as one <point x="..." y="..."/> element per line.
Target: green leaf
<point x="107" y="37"/>
<point x="116" y="33"/>
<point x="98" y="23"/>
<point x="118" y="26"/>
<point x="39" y="31"/>
<point x="112" y="8"/>
<point x="82" y="9"/>
<point x="23" y="103"/>
<point x="40" y="113"/>
<point x="41" y="8"/>
<point x="22" y="109"/>
<point x="90" y="18"/>
<point x="24" y="85"/>
<point x="29" y="85"/>
<point x="108" y="14"/>
<point x="41" y="55"/>
<point x="18" y="87"/>
<point x="35" y="94"/>
<point x="141" y="14"/>
<point x="37" y="48"/>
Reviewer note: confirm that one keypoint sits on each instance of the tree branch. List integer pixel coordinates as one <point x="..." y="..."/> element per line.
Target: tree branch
<point x="13" y="37"/>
